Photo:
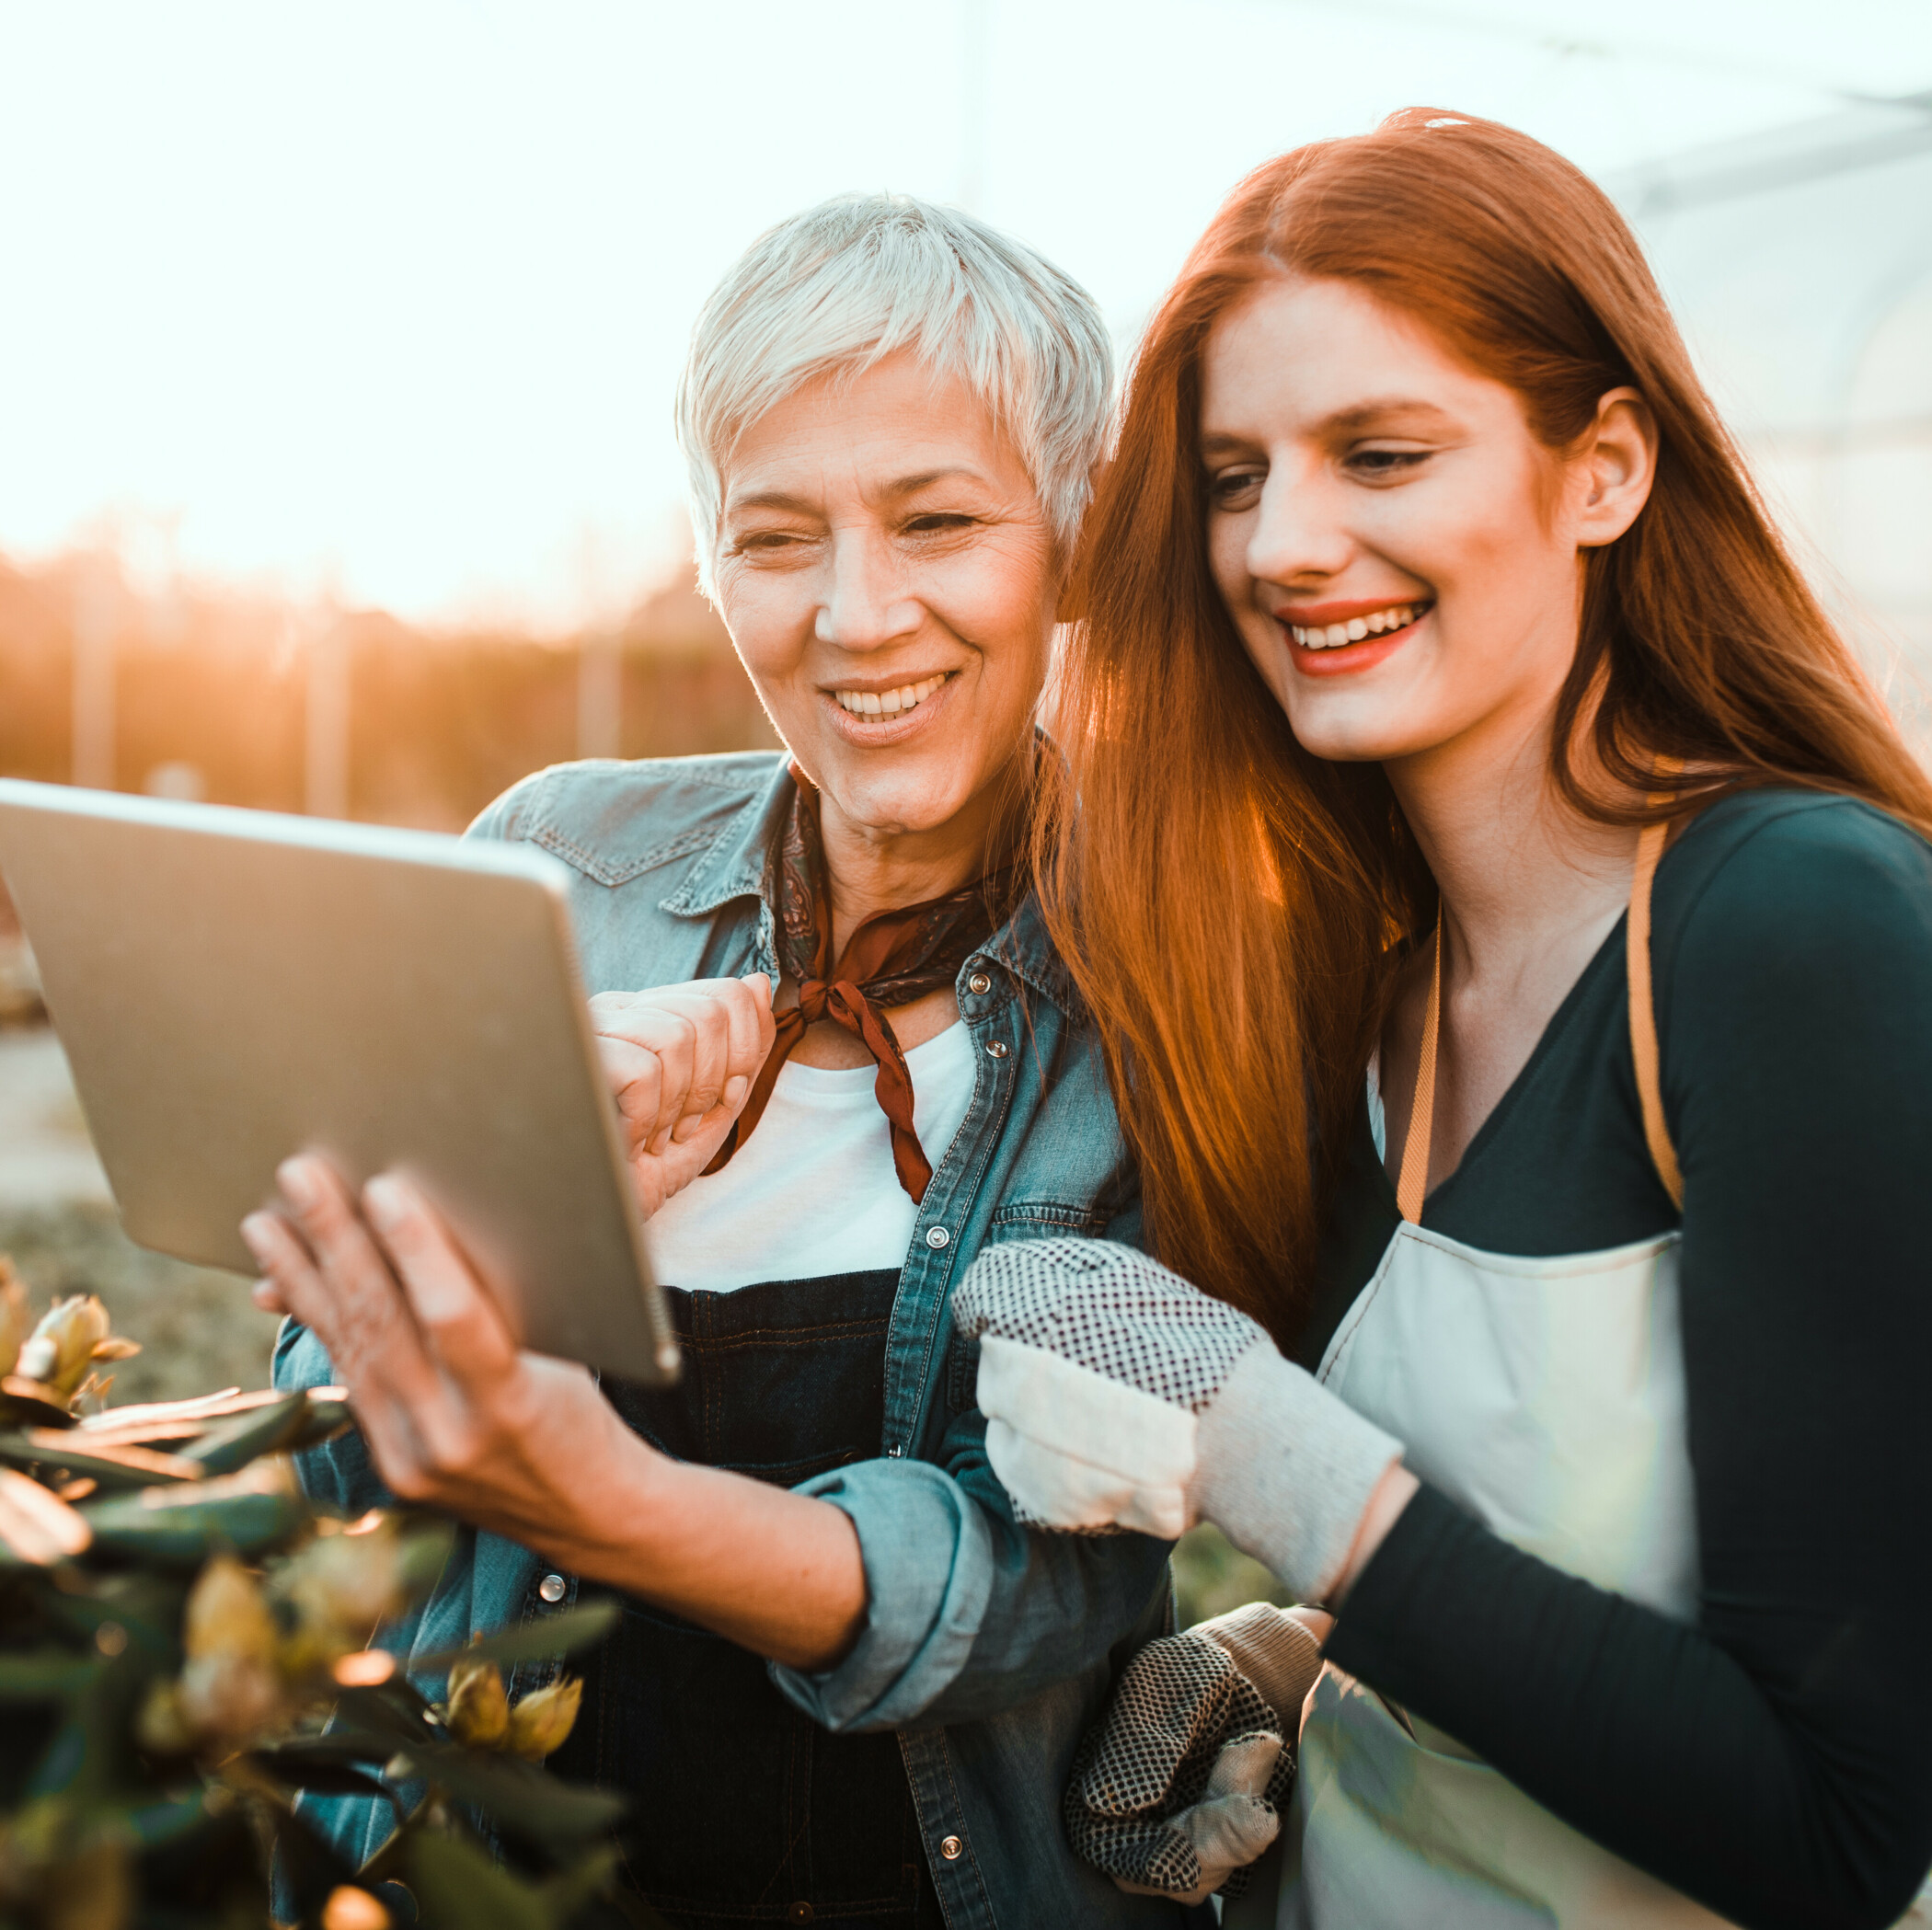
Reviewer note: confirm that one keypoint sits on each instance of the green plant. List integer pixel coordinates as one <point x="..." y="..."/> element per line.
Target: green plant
<point x="184" y="1648"/>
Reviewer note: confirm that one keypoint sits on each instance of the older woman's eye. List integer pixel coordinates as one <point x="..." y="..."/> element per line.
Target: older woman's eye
<point x="764" y="542"/>
<point x="939" y="523"/>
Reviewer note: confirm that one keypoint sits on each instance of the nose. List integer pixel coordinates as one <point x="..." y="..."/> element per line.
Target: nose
<point x="1300" y="534"/>
<point x="866" y="606"/>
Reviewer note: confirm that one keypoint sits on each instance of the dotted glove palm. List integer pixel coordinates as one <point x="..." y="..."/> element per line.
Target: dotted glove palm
<point x="1181" y="1787"/>
<point x="1117" y="1395"/>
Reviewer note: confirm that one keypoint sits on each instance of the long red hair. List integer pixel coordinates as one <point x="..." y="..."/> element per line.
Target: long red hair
<point x="1226" y="901"/>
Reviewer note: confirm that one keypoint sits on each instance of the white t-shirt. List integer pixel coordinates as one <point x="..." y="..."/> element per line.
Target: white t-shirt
<point x="812" y="1190"/>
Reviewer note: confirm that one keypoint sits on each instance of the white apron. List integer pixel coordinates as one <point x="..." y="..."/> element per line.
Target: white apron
<point x="1546" y="1397"/>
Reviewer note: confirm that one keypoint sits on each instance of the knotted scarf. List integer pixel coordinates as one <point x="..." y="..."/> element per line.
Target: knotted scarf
<point x="894" y="958"/>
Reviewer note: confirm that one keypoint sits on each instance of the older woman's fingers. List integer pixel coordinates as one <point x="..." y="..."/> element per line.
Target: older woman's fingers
<point x="367" y="1300"/>
<point x="734" y="1028"/>
<point x="460" y="1321"/>
<point x="301" y="1290"/>
<point x="710" y="1037"/>
<point x="637" y="1081"/>
<point x="654" y="1026"/>
<point x="287" y="1265"/>
<point x="360" y="1312"/>
<point x="752" y="1027"/>
<point x="268" y="1297"/>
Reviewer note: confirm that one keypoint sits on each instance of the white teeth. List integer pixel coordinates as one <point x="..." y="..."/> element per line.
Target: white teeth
<point x="890" y="703"/>
<point x="1329" y="637"/>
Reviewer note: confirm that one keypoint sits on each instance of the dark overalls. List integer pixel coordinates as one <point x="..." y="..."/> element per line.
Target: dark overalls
<point x="745" y="1811"/>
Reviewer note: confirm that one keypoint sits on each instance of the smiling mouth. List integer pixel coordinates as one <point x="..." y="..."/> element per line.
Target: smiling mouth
<point x="1357" y="629"/>
<point x="888" y="703"/>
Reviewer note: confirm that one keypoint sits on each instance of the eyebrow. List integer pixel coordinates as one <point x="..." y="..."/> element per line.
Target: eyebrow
<point x="1381" y="409"/>
<point x="898" y="486"/>
<point x="1381" y="412"/>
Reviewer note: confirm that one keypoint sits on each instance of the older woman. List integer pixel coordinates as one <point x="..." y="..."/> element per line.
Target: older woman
<point x="845" y="1685"/>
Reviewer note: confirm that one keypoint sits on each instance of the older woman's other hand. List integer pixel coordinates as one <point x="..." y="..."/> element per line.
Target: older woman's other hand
<point x="681" y="1060"/>
<point x="456" y="1413"/>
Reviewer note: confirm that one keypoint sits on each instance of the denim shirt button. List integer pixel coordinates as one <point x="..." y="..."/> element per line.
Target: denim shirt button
<point x="997" y="1048"/>
<point x="936" y="1236"/>
<point x="979" y="982"/>
<point x="952" y="1849"/>
<point x="552" y="1588"/>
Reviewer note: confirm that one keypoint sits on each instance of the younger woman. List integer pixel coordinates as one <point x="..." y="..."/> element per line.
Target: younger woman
<point x="1430" y="584"/>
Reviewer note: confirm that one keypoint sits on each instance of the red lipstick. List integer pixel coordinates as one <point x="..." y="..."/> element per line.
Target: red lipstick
<point x="1343" y="659"/>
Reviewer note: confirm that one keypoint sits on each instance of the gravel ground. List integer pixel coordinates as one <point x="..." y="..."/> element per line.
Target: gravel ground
<point x="197" y="1327"/>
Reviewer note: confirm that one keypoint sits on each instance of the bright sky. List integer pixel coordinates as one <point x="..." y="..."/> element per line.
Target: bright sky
<point x="389" y="296"/>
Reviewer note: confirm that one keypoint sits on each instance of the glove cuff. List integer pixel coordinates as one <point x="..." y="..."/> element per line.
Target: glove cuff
<point x="1287" y="1470"/>
<point x="1277" y="1654"/>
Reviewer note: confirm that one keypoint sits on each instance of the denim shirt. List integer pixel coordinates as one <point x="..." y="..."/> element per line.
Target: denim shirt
<point x="990" y="1648"/>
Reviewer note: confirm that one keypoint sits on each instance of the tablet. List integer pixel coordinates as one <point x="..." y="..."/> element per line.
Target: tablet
<point x="233" y="986"/>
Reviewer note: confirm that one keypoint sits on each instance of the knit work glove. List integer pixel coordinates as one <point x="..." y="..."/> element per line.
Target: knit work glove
<point x="1117" y="1395"/>
<point x="1181" y="1786"/>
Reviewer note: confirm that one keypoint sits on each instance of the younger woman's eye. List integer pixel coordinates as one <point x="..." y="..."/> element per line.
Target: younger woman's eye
<point x="1385" y="462"/>
<point x="1234" y="488"/>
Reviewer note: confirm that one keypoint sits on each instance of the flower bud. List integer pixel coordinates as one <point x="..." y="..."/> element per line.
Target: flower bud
<point x="226" y="1613"/>
<point x="228" y="1698"/>
<point x="346" y="1582"/>
<point x="230" y="1687"/>
<point x="478" y="1711"/>
<point x="62" y="1345"/>
<point x="539" y="1723"/>
<point x="160" y="1728"/>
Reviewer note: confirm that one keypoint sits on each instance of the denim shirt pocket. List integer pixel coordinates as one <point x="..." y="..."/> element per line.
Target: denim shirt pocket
<point x="1016" y="1220"/>
<point x="614" y="868"/>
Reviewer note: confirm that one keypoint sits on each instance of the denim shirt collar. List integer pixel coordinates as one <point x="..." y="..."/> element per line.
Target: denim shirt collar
<point x="735" y="865"/>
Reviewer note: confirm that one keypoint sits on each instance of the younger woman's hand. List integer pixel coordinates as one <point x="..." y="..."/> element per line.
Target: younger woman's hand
<point x="1117" y="1395"/>
<point x="681" y="1060"/>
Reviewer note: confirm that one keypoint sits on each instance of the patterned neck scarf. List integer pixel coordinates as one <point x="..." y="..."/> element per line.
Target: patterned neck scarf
<point x="894" y="958"/>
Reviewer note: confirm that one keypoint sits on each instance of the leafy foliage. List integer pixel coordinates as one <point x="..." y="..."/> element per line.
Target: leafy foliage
<point x="185" y="1649"/>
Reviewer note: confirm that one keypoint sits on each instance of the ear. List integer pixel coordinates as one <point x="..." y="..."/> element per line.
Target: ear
<point x="1618" y="463"/>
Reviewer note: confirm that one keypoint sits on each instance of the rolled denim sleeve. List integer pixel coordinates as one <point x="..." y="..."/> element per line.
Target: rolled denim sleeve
<point x="967" y="1612"/>
<point x="338" y="1473"/>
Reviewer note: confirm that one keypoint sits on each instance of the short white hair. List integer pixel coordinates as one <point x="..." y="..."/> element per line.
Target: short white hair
<point x="843" y="285"/>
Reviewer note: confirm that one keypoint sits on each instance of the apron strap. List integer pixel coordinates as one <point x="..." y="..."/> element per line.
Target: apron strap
<point x="1413" y="1181"/>
<point x="1644" y="1009"/>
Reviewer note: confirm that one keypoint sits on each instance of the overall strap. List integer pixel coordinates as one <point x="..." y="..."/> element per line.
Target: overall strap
<point x="1643" y="1011"/>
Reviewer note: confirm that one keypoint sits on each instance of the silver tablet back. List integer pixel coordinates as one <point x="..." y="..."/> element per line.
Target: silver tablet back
<point x="233" y="986"/>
